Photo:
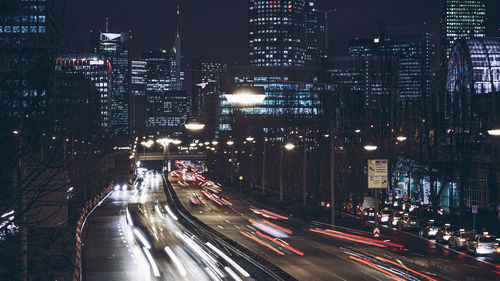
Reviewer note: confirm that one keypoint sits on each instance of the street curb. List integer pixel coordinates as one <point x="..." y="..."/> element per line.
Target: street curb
<point x="86" y="212"/>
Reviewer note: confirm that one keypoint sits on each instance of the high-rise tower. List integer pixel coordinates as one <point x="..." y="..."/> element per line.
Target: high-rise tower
<point x="276" y="33"/>
<point x="178" y="51"/>
<point x="461" y="19"/>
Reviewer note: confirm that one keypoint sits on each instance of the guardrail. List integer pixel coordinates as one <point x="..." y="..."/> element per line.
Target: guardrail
<point x="258" y="267"/>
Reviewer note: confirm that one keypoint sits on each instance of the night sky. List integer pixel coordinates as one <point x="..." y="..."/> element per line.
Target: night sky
<point x="219" y="27"/>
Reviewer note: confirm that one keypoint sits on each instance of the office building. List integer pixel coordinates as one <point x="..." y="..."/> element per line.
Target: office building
<point x="115" y="48"/>
<point x="417" y="49"/>
<point x="461" y="19"/>
<point x="138" y="97"/>
<point x="276" y="33"/>
<point x="316" y="33"/>
<point x="207" y="75"/>
<point x="167" y="109"/>
<point x="98" y="71"/>
<point x="26" y="59"/>
<point x="290" y="95"/>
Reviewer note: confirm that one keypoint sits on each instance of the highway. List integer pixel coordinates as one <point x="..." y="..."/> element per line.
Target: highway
<point x="316" y="252"/>
<point x="115" y="249"/>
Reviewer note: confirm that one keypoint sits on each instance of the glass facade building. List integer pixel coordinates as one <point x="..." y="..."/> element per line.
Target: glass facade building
<point x="461" y="19"/>
<point x="96" y="69"/>
<point x="167" y="109"/>
<point x="316" y="33"/>
<point x="276" y="32"/>
<point x="289" y="95"/>
<point x="114" y="47"/>
<point x="138" y="97"/>
<point x="26" y="57"/>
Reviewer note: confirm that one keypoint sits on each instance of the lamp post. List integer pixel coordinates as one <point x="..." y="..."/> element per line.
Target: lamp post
<point x="165" y="142"/>
<point x="231" y="144"/>
<point x="289" y="146"/>
<point x="245" y="96"/>
<point x="370" y="148"/>
<point x="147" y="144"/>
<point x="264" y="166"/>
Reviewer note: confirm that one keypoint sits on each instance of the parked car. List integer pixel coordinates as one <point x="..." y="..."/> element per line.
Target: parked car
<point x="459" y="238"/>
<point x="444" y="233"/>
<point x="408" y="223"/>
<point x="482" y="244"/>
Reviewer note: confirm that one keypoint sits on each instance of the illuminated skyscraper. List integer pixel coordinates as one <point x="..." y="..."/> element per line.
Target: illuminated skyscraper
<point x="167" y="109"/>
<point x="138" y="98"/>
<point x="26" y="57"/>
<point x="316" y="33"/>
<point x="94" y="68"/>
<point x="461" y="19"/>
<point x="276" y="33"/>
<point x="114" y="47"/>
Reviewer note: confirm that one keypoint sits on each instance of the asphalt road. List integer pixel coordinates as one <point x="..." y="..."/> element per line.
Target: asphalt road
<point x="344" y="254"/>
<point x="112" y="250"/>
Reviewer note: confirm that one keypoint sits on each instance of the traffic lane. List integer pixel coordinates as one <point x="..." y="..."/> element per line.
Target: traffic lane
<point x="454" y="268"/>
<point x="166" y="230"/>
<point x="422" y="253"/>
<point x="314" y="265"/>
<point x="107" y="254"/>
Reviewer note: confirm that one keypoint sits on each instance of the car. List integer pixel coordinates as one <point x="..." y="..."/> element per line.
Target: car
<point x="368" y="214"/>
<point x="444" y="233"/>
<point x="431" y="228"/>
<point x="408" y="223"/>
<point x="395" y="217"/>
<point x="482" y="244"/>
<point x="459" y="239"/>
<point x="385" y="215"/>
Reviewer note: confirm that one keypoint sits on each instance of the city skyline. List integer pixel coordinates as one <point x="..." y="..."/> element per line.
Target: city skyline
<point x="154" y="27"/>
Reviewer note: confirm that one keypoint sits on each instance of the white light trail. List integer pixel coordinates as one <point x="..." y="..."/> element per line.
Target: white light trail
<point x="176" y="261"/>
<point x="228" y="259"/>
<point x="152" y="262"/>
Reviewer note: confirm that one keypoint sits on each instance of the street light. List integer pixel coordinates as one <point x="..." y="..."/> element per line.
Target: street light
<point x="246" y="96"/>
<point x="370" y="147"/>
<point x="194" y="126"/>
<point x="249" y="139"/>
<point x="494" y="132"/>
<point x="288" y="146"/>
<point x="401" y="138"/>
<point x="230" y="142"/>
<point x="147" y="144"/>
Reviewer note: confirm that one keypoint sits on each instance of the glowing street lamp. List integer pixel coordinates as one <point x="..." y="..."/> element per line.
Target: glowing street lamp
<point x="370" y="147"/>
<point x="249" y="139"/>
<point x="289" y="146"/>
<point x="401" y="138"/>
<point x="246" y="96"/>
<point x="230" y="142"/>
<point x="194" y="126"/>
<point x="494" y="132"/>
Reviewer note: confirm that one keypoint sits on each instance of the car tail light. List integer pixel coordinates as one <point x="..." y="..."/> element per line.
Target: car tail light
<point x="401" y="212"/>
<point x="480" y="244"/>
<point x="365" y="213"/>
<point x="462" y="240"/>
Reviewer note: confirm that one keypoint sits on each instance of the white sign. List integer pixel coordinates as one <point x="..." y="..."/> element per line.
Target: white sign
<point x="378" y="173"/>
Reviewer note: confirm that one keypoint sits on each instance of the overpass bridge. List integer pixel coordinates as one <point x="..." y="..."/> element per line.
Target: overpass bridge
<point x="159" y="156"/>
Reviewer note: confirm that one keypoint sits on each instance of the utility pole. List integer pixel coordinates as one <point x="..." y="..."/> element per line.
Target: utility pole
<point x="264" y="167"/>
<point x="304" y="183"/>
<point x="332" y="172"/>
<point x="281" y="174"/>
